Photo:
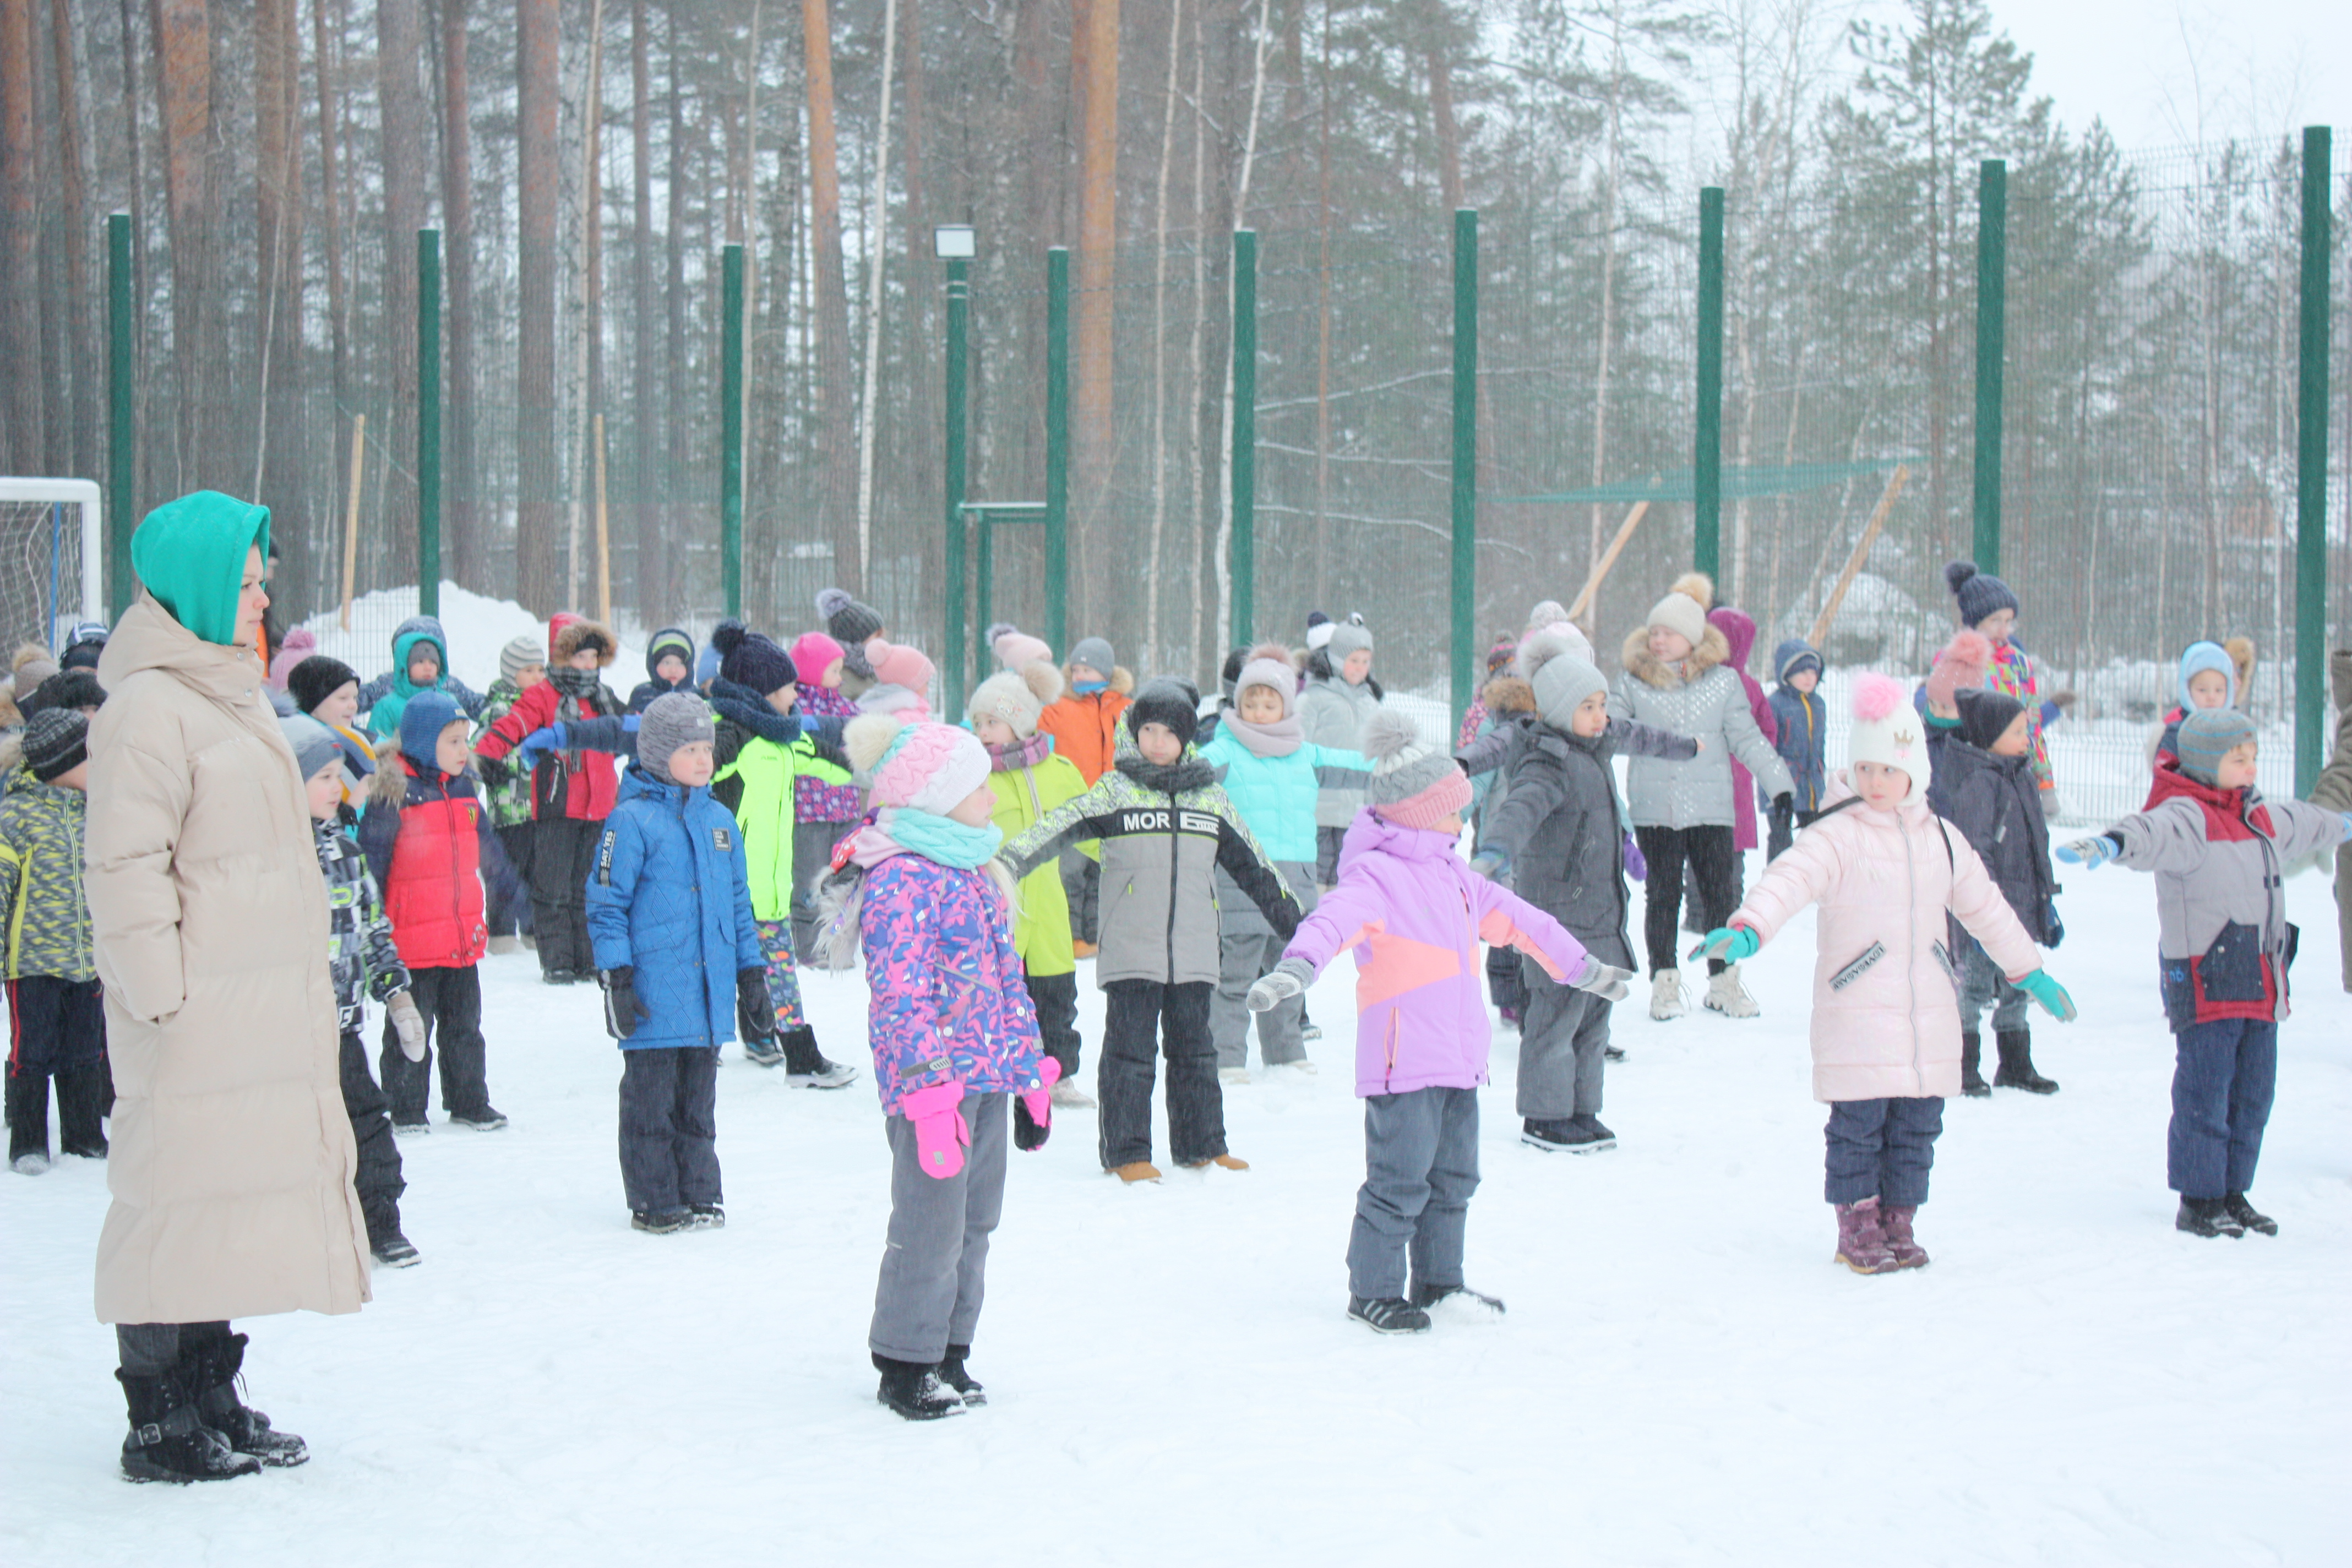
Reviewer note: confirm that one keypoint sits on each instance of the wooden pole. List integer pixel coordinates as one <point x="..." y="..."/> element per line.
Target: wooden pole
<point x="1608" y="558"/>
<point x="604" y="536"/>
<point x="351" y="515"/>
<point x="1861" y="553"/>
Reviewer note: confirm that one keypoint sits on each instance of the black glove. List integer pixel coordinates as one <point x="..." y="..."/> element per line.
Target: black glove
<point x="755" y="1010"/>
<point x="1026" y="1133"/>
<point x="491" y="771"/>
<point x="623" y="1009"/>
<point x="1785" y="801"/>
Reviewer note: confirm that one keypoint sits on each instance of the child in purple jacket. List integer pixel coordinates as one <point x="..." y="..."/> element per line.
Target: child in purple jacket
<point x="1422" y="1033"/>
<point x="954" y="1035"/>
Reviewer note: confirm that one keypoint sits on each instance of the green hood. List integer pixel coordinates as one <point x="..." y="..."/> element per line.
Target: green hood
<point x="384" y="719"/>
<point x="190" y="554"/>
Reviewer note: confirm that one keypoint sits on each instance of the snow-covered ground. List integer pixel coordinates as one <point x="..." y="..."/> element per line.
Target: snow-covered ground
<point x="1684" y="1376"/>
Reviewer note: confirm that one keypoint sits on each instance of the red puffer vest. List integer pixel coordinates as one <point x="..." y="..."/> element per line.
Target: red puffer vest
<point x="588" y="791"/>
<point x="434" y="894"/>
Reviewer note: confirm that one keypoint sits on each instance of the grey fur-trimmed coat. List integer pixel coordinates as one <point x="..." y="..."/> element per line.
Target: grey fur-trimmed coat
<point x="1706" y="703"/>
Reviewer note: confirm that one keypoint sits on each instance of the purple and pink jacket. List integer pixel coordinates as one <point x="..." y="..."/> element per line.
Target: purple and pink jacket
<point x="948" y="998"/>
<point x="1420" y="914"/>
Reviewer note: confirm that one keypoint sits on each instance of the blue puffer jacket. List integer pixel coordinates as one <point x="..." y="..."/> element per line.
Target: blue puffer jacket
<point x="667" y="896"/>
<point x="1803" y="719"/>
<point x="1277" y="796"/>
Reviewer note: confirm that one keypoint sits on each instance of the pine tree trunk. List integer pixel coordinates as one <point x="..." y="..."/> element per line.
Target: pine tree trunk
<point x="670" y="592"/>
<point x="538" y="538"/>
<point x="635" y="519"/>
<point x="278" y="193"/>
<point x="82" y="335"/>
<point x="1095" y="309"/>
<point x="26" y="452"/>
<point x="837" y="431"/>
<point x="399" y="43"/>
<point x="184" y="64"/>
<point x="466" y="551"/>
<point x="1151" y="570"/>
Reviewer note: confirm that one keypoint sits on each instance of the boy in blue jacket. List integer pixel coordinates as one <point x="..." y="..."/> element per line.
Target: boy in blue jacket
<point x="669" y="912"/>
<point x="1802" y="740"/>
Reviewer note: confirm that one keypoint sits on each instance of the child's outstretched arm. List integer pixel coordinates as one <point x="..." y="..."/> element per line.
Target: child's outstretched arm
<point x="2170" y="838"/>
<point x="1804" y="871"/>
<point x="1243" y="859"/>
<point x="1981" y="906"/>
<point x="1505" y="919"/>
<point x="1072" y="821"/>
<point x="1636" y="739"/>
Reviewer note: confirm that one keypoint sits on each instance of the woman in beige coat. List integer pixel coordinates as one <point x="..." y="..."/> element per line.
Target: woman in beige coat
<point x="233" y="1158"/>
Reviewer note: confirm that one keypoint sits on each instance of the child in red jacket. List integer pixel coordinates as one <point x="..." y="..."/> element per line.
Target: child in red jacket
<point x="427" y="840"/>
<point x="573" y="788"/>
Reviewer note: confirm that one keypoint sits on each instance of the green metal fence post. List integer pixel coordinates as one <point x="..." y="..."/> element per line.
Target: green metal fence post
<point x="1242" y="554"/>
<point x="730" y="429"/>
<point x="428" y="421"/>
<point x="983" y="593"/>
<point x="121" y="440"/>
<point x="2311" y="471"/>
<point x="1464" y="464"/>
<point x="1057" y="450"/>
<point x="1706" y="466"/>
<point x="951" y="674"/>
<point x="1993" y="337"/>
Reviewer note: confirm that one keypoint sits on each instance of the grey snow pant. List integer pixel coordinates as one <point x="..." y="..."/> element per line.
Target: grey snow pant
<point x="935" y="1263"/>
<point x="1882" y="1149"/>
<point x="1247" y="949"/>
<point x="1563" y="1046"/>
<point x="1421" y="1165"/>
<point x="151" y="1350"/>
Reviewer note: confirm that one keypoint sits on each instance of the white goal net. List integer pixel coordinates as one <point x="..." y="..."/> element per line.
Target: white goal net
<point x="50" y="578"/>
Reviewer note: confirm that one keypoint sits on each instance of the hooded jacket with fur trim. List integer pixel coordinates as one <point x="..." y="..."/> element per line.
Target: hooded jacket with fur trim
<point x="1705" y="701"/>
<point x="1085" y="725"/>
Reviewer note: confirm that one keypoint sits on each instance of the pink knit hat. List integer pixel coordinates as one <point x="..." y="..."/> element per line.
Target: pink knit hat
<point x="895" y="664"/>
<point x="1014" y="647"/>
<point x="812" y="655"/>
<point x="1414" y="784"/>
<point x="930" y="767"/>
<point x="1962" y="666"/>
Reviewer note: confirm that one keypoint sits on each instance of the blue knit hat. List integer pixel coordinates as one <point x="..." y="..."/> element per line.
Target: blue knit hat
<point x="421" y="723"/>
<point x="1979" y="595"/>
<point x="2199" y="658"/>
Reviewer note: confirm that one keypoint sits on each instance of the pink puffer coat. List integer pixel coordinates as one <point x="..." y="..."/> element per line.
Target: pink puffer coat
<point x="1886" y="1012"/>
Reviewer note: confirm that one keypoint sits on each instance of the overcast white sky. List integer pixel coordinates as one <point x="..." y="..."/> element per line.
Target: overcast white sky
<point x="2146" y="67"/>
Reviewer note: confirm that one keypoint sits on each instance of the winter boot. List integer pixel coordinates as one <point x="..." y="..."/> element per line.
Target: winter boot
<point x="1068" y="1096"/>
<point x="1474" y="1303"/>
<point x="2207" y="1217"/>
<point x="1565" y="1135"/>
<point x="212" y="1367"/>
<point x="1972" y="1083"/>
<point x="1725" y="996"/>
<point x="2016" y="1070"/>
<point x="394" y="1250"/>
<point x="1389" y="1315"/>
<point x="706" y="1216"/>
<point x="767" y="1053"/>
<point x="1134" y="1171"/>
<point x="1862" y="1245"/>
<point x="169" y="1440"/>
<point x="1223" y="1161"/>
<point x="485" y="1119"/>
<point x="1666" y="996"/>
<point x="661" y="1222"/>
<point x="953" y="1374"/>
<point x="1895" y="1222"/>
<point x="2248" y="1216"/>
<point x="915" y="1391"/>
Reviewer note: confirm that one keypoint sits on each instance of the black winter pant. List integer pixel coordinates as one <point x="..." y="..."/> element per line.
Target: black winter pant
<point x="1082" y="886"/>
<point x="379" y="1182"/>
<point x="451" y="1002"/>
<point x="1708" y="851"/>
<point x="508" y="892"/>
<point x="562" y="850"/>
<point x="1504" y="987"/>
<point x="670" y="1127"/>
<point x="1785" y="823"/>
<point x="1141" y="1018"/>
<point x="1056" y="997"/>
<point x="55" y="1027"/>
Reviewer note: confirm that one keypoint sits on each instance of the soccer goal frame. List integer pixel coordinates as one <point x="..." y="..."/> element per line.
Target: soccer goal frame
<point x="85" y="495"/>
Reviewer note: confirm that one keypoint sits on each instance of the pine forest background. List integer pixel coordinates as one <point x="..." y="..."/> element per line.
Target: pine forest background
<point x="586" y="160"/>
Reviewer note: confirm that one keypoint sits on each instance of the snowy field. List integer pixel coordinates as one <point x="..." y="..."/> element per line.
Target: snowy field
<point x="1684" y="1376"/>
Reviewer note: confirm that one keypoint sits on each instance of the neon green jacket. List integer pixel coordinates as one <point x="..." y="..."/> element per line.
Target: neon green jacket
<point x="1024" y="796"/>
<point x="756" y="784"/>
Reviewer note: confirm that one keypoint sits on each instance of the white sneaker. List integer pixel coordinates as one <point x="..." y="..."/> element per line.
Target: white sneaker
<point x="1666" y="996"/>
<point x="1725" y="996"/>
<point x="1232" y="1074"/>
<point x="1305" y="1065"/>
<point x="1066" y="1093"/>
<point x="502" y="945"/>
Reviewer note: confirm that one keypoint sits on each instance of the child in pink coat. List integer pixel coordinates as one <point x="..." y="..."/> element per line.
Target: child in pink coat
<point x="1886" y="1017"/>
<point x="1419" y="913"/>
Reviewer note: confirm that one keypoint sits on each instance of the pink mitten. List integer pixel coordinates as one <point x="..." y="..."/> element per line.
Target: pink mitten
<point x="1040" y="1100"/>
<point x="941" y="1134"/>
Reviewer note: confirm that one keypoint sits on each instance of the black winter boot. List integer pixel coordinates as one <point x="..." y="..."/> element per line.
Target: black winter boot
<point x="952" y="1374"/>
<point x="2207" y="1217"/>
<point x="2248" y="1216"/>
<point x="915" y="1391"/>
<point x="2016" y="1070"/>
<point x="1972" y="1083"/>
<point x="1388" y="1315"/>
<point x="168" y="1441"/>
<point x="212" y="1366"/>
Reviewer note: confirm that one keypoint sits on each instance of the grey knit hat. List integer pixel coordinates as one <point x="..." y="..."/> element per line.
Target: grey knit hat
<point x="1350" y="636"/>
<point x="1094" y="654"/>
<point x="1561" y="684"/>
<point x="848" y="622"/>
<point x="516" y="655"/>
<point x="679" y="719"/>
<point x="55" y="741"/>
<point x="2207" y="736"/>
<point x="1413" y="783"/>
<point x="314" y="745"/>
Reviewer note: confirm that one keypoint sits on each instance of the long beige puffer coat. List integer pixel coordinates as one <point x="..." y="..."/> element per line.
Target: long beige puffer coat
<point x="1887" y="1011"/>
<point x="232" y="1157"/>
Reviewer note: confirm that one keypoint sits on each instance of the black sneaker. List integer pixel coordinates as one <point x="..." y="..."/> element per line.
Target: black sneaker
<point x="2248" y="1216"/>
<point x="661" y="1222"/>
<point x="557" y="977"/>
<point x="915" y="1391"/>
<point x="1428" y="1296"/>
<point x="953" y="1373"/>
<point x="767" y="1053"/>
<point x="1389" y="1315"/>
<point x="706" y="1216"/>
<point x="1612" y="1053"/>
<point x="1567" y="1136"/>
<point x="2207" y="1217"/>
<point x="395" y="1251"/>
<point x="417" y="1128"/>
<point x="485" y="1120"/>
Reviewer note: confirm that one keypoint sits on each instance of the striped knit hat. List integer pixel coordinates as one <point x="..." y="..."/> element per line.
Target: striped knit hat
<point x="1413" y="784"/>
<point x="923" y="766"/>
<point x="2207" y="736"/>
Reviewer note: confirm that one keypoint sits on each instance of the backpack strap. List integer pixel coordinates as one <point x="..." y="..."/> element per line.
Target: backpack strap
<point x="1943" y="827"/>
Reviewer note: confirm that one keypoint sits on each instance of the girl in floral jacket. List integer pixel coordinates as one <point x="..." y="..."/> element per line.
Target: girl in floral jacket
<point x="954" y="1037"/>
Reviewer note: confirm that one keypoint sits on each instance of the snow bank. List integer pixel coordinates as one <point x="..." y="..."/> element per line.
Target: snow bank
<point x="478" y="628"/>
